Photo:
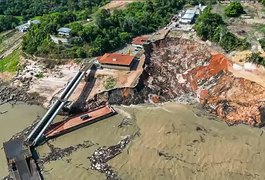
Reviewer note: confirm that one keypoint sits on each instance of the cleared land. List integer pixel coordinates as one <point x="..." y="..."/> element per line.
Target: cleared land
<point x="118" y="4"/>
<point x="249" y="25"/>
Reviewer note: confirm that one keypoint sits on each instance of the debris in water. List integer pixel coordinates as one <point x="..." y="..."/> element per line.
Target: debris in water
<point x="102" y="155"/>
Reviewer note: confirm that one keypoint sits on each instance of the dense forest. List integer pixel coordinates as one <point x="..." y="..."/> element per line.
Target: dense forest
<point x="31" y="8"/>
<point x="107" y="32"/>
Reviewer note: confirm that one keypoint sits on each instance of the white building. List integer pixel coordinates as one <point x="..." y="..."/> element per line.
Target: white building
<point x="188" y="17"/>
<point x="26" y="26"/>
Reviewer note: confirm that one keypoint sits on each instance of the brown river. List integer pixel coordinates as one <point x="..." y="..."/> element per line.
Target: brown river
<point x="174" y="142"/>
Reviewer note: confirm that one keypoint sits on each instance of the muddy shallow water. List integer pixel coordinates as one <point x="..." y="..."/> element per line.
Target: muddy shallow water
<point x="15" y="120"/>
<point x="171" y="141"/>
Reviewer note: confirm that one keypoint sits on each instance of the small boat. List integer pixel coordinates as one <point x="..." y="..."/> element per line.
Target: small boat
<point x="78" y="121"/>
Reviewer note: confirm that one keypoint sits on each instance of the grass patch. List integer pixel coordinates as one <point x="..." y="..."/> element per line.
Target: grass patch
<point x="20" y="18"/>
<point x="110" y="83"/>
<point x="39" y="75"/>
<point x="4" y="36"/>
<point x="9" y="63"/>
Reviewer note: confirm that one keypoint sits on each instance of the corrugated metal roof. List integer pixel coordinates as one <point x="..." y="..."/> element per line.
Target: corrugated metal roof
<point x="190" y="11"/>
<point x="64" y="30"/>
<point x="188" y="16"/>
<point x="140" y="40"/>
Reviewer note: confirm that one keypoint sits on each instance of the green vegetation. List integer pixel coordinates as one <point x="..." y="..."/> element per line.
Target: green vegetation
<point x="262" y="2"/>
<point x="257" y="59"/>
<point x="110" y="83"/>
<point x="210" y="26"/>
<point x="234" y="9"/>
<point x="9" y="63"/>
<point x="106" y="32"/>
<point x="39" y="75"/>
<point x="110" y="30"/>
<point x="8" y="22"/>
<point x="262" y="43"/>
<point x="31" y="8"/>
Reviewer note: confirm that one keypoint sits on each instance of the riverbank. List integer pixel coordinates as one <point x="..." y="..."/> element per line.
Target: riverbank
<point x="174" y="69"/>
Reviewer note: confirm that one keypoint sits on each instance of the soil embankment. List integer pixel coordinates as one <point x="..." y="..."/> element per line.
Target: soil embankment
<point x="182" y="70"/>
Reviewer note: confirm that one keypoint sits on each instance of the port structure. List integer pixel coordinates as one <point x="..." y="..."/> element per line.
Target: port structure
<point x="35" y="136"/>
<point x="21" y="163"/>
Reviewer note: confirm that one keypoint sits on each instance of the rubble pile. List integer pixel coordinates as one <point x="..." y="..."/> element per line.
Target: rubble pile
<point x="102" y="155"/>
<point x="169" y="62"/>
<point x="11" y="93"/>
<point x="27" y="73"/>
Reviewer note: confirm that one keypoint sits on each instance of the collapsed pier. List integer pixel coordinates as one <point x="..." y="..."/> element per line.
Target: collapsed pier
<point x="21" y="164"/>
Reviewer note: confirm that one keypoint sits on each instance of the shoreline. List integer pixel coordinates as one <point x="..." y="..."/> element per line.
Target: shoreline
<point x="171" y="75"/>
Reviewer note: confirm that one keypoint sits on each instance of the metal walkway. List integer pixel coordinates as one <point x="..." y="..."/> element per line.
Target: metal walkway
<point x="34" y="137"/>
<point x="47" y="119"/>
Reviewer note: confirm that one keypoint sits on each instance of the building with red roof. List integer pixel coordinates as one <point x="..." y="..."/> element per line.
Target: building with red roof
<point x="139" y="41"/>
<point x="116" y="61"/>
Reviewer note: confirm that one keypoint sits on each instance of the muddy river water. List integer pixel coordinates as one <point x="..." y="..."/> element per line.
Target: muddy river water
<point x="171" y="141"/>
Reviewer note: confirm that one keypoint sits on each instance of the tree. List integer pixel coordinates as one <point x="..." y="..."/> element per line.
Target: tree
<point x="210" y="26"/>
<point x="234" y="9"/>
<point x="257" y="59"/>
<point x="80" y="53"/>
<point x="103" y="18"/>
<point x="8" y="22"/>
<point x="207" y="23"/>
